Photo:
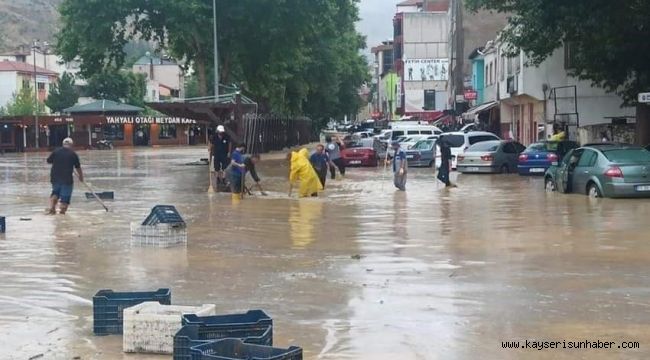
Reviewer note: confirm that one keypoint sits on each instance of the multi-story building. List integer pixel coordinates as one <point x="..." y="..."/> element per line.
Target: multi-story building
<point x="14" y="76"/>
<point x="165" y="78"/>
<point x="421" y="34"/>
<point x="385" y="97"/>
<point x="532" y="99"/>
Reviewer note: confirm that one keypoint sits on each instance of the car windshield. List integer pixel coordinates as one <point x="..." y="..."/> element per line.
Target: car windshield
<point x="489" y="146"/>
<point x="455" y="140"/>
<point x="627" y="155"/>
<point x="423" y="145"/>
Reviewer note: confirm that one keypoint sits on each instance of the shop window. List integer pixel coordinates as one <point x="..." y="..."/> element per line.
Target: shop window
<point x="5" y="134"/>
<point x="167" y="131"/>
<point x="429" y="99"/>
<point x="113" y="131"/>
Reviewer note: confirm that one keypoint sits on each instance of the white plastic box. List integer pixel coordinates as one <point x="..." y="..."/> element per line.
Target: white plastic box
<point x="160" y="235"/>
<point x="150" y="327"/>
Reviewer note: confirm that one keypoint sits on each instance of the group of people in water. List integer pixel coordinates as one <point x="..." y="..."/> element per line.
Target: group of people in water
<point x="310" y="170"/>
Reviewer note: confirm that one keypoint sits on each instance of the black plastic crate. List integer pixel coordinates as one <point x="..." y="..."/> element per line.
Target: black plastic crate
<point x="190" y="336"/>
<point x="105" y="195"/>
<point x="164" y="214"/>
<point x="235" y="349"/>
<point x="3" y="224"/>
<point x="253" y="320"/>
<point x="109" y="305"/>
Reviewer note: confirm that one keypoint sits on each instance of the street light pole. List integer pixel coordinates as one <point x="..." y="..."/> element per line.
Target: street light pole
<point x="36" y="127"/>
<point x="216" y="52"/>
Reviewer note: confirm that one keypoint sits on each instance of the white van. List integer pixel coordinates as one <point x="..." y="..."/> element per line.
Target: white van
<point x="407" y="130"/>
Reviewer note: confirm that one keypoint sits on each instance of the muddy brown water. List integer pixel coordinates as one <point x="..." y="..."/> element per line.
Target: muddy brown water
<point x="442" y="275"/>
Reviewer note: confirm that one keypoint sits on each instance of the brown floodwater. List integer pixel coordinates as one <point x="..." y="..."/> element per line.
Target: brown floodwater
<point x="443" y="274"/>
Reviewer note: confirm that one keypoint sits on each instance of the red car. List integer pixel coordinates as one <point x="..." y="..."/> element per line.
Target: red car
<point x="359" y="156"/>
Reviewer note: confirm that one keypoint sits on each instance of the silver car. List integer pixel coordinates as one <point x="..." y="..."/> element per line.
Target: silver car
<point x="497" y="156"/>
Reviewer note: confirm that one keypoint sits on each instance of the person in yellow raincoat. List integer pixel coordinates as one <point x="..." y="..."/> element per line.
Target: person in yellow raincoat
<point x="301" y="170"/>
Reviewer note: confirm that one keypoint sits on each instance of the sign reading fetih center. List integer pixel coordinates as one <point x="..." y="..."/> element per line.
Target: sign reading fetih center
<point x="148" y="120"/>
<point x="426" y="70"/>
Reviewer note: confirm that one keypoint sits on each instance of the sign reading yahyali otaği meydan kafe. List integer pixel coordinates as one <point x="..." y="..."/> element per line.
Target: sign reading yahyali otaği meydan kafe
<point x="149" y="120"/>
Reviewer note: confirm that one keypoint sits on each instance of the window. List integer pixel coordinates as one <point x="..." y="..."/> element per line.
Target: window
<point x="413" y="132"/>
<point x="588" y="158"/>
<point x="5" y="134"/>
<point x="423" y="145"/>
<point x="627" y="155"/>
<point x="517" y="64"/>
<point x="486" y="146"/>
<point x="480" y="138"/>
<point x="429" y="99"/>
<point x="26" y="84"/>
<point x="113" y="131"/>
<point x="503" y="67"/>
<point x="397" y="134"/>
<point x="487" y="75"/>
<point x="387" y="59"/>
<point x="167" y="131"/>
<point x="569" y="55"/>
<point x="455" y="140"/>
<point x="426" y="132"/>
<point x="41" y="86"/>
<point x="491" y="68"/>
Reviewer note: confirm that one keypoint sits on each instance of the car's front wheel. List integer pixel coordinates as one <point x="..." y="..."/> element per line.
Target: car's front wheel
<point x="549" y="184"/>
<point x="593" y="191"/>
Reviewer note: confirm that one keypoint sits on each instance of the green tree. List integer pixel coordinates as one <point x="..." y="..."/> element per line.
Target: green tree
<point x="108" y="84"/>
<point x="608" y="41"/>
<point x="22" y="103"/>
<point x="63" y="94"/>
<point x="137" y="88"/>
<point x="286" y="54"/>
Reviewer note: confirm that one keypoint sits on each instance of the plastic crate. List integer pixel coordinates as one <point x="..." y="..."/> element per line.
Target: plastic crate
<point x="108" y="307"/>
<point x="235" y="349"/>
<point x="220" y="326"/>
<point x="190" y="336"/>
<point x="164" y="214"/>
<point x="150" y="327"/>
<point x="3" y="224"/>
<point x="160" y="235"/>
<point x="106" y="195"/>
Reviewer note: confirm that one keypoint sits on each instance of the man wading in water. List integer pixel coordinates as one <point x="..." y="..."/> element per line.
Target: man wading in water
<point x="64" y="161"/>
<point x="445" y="162"/>
<point x="220" y="148"/>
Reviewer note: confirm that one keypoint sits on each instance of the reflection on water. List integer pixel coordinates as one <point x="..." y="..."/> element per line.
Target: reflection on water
<point x="441" y="274"/>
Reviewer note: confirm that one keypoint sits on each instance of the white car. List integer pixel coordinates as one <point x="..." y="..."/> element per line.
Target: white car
<point x="461" y="141"/>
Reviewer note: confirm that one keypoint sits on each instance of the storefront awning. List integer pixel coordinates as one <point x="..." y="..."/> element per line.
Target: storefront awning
<point x="471" y="113"/>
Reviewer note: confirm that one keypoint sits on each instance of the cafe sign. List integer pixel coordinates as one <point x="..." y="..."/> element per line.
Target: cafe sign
<point x="149" y="120"/>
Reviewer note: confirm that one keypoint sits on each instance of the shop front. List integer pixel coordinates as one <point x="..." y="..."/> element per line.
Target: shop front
<point x="18" y="132"/>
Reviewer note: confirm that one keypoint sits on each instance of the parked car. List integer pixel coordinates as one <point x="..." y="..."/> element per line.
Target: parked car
<point x="495" y="156"/>
<point x="357" y="155"/>
<point x="647" y="147"/>
<point x="461" y="141"/>
<point x="422" y="153"/>
<point x="602" y="170"/>
<point x="412" y="140"/>
<point x="538" y="157"/>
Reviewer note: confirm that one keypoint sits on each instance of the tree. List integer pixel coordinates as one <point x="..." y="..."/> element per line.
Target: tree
<point x="137" y="88"/>
<point x="109" y="85"/>
<point x="608" y="41"/>
<point x="22" y="103"/>
<point x="286" y="54"/>
<point x="63" y="94"/>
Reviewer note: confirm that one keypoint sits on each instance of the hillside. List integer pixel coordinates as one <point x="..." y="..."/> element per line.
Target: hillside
<point x="22" y="21"/>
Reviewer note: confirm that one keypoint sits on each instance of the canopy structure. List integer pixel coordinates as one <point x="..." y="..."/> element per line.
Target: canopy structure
<point x="208" y="108"/>
<point x="473" y="112"/>
<point x="103" y="107"/>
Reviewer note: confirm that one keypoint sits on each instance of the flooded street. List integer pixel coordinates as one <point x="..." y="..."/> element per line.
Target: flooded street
<point x="442" y="274"/>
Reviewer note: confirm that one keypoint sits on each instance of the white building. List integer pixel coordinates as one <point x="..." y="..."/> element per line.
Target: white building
<point x="14" y="76"/>
<point x="165" y="78"/>
<point x="422" y="55"/>
<point x="533" y="97"/>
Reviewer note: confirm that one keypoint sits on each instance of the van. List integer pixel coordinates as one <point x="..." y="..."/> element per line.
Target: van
<point x="407" y="130"/>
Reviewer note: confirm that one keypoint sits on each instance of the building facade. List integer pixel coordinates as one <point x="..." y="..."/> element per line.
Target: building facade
<point x="421" y="34"/>
<point x="15" y="76"/>
<point x="165" y="78"/>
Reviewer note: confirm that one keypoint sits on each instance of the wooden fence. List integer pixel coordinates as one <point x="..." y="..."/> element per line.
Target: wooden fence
<point x="264" y="133"/>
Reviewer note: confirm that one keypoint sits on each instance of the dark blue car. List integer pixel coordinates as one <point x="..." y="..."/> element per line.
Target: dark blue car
<point x="538" y="157"/>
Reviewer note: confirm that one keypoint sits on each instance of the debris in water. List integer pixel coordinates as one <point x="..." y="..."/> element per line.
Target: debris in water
<point x="356" y="257"/>
<point x="370" y="270"/>
<point x="25" y="219"/>
<point x="36" y="356"/>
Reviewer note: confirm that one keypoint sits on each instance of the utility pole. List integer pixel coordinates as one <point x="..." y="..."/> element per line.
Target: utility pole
<point x="216" y="52"/>
<point x="36" y="127"/>
<point x="459" y="81"/>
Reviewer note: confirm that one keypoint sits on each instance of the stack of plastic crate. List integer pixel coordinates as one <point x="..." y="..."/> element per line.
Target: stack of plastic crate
<point x="235" y="349"/>
<point x="164" y="227"/>
<point x="150" y="327"/>
<point x="253" y="327"/>
<point x="108" y="307"/>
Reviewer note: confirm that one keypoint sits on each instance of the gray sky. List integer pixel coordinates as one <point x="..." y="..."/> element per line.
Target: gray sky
<point x="376" y="20"/>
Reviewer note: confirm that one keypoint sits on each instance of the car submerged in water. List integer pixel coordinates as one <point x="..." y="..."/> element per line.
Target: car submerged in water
<point x="495" y="156"/>
<point x="540" y="156"/>
<point x="359" y="155"/>
<point x="602" y="170"/>
<point x="422" y="153"/>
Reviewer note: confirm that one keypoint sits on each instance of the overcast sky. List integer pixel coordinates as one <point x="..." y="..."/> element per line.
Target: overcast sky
<point x="377" y="20"/>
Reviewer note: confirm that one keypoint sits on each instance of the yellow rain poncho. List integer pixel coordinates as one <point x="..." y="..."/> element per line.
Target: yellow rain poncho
<point x="301" y="170"/>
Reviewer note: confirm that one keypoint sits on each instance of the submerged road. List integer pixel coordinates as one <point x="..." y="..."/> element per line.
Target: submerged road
<point x="442" y="274"/>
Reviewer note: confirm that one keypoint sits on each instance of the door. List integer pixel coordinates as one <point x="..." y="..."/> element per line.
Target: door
<point x="514" y="160"/>
<point x="564" y="169"/>
<point x="584" y="170"/>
